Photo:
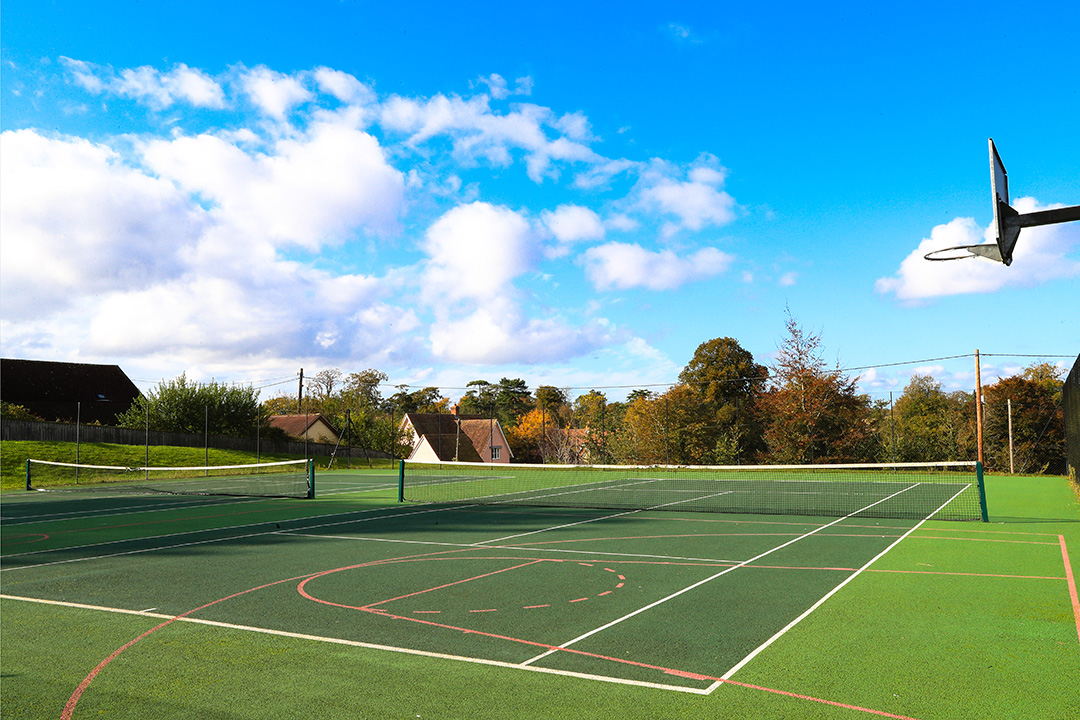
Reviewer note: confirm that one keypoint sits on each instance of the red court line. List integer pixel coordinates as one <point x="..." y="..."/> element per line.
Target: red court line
<point x="69" y="707"/>
<point x="666" y="671"/>
<point x="451" y="584"/>
<point x="1072" y="584"/>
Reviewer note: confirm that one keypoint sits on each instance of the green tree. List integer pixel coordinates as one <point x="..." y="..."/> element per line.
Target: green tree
<point x="180" y="405"/>
<point x="923" y="423"/>
<point x="425" y="400"/>
<point x="729" y="382"/>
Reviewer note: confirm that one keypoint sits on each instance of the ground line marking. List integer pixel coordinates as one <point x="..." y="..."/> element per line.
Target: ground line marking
<point x="710" y="579"/>
<point x="829" y="594"/>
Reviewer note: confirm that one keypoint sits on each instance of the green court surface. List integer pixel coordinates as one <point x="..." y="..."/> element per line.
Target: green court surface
<point x="353" y="605"/>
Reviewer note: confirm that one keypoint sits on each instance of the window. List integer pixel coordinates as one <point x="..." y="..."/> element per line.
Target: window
<point x="495" y="452"/>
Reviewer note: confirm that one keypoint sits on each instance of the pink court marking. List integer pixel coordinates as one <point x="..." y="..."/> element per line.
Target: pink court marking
<point x="1072" y="584"/>
<point x="37" y="537"/>
<point x="372" y="606"/>
<point x="665" y="670"/>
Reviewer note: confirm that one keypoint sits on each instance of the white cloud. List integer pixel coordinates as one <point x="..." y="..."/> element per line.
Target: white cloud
<point x="570" y="224"/>
<point x="273" y="92"/>
<point x="622" y="266"/>
<point x="475" y="251"/>
<point x="480" y="134"/>
<point x="788" y="279"/>
<point x="344" y="86"/>
<point x="162" y="90"/>
<point x="695" y="203"/>
<point x="313" y="189"/>
<point x="1042" y="254"/>
<point x="498" y="332"/>
<point x="148" y="84"/>
<point x="76" y="221"/>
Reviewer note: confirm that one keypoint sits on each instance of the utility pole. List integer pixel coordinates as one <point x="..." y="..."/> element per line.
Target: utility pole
<point x="300" y="393"/>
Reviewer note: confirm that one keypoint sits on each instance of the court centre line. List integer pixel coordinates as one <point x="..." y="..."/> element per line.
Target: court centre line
<point x="212" y="540"/>
<point x="365" y="645"/>
<point x="710" y="579"/>
<point x="827" y="595"/>
<point x="606" y="517"/>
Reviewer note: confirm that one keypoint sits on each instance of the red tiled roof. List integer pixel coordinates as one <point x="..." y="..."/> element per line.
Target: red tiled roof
<point x="296" y="425"/>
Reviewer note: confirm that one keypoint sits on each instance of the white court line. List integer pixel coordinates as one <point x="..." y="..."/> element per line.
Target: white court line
<point x="606" y="517"/>
<point x="178" y="504"/>
<point x="706" y="580"/>
<point x="520" y="548"/>
<point x="365" y="645"/>
<point x="827" y="595"/>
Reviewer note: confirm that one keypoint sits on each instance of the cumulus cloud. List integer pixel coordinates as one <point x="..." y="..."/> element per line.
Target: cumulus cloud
<point x="475" y="251"/>
<point x="570" y="224"/>
<point x="311" y="190"/>
<point x="344" y="86"/>
<point x="696" y="202"/>
<point x="498" y="332"/>
<point x="102" y="259"/>
<point x="274" y="93"/>
<point x="76" y="221"/>
<point x="622" y="266"/>
<point x="1042" y="254"/>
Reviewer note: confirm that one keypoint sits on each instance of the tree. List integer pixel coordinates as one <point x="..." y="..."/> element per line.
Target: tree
<point x="923" y="427"/>
<point x="180" y="405"/>
<point x="1038" y="425"/>
<point x="323" y="383"/>
<point x="426" y="400"/>
<point x="729" y="383"/>
<point x="811" y="414"/>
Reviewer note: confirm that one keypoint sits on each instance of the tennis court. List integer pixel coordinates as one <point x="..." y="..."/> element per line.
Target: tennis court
<point x="527" y="610"/>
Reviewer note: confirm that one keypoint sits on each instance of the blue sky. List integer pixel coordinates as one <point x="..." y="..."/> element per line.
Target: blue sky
<point x="577" y="194"/>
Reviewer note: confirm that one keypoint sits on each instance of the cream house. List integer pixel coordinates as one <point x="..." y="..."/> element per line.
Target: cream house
<point x="312" y="427"/>
<point x="439" y="437"/>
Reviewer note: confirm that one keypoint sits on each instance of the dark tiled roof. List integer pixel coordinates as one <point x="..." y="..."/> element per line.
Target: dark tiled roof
<point x="54" y="390"/>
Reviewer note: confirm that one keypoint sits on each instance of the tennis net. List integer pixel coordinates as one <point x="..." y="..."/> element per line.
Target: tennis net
<point x="289" y="478"/>
<point x="946" y="490"/>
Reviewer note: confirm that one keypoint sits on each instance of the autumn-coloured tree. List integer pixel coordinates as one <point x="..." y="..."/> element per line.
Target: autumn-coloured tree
<point x="1038" y="425"/>
<point x="812" y="414"/>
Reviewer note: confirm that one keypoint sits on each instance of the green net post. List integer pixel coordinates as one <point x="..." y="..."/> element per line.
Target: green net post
<point x="982" y="491"/>
<point x="28" y="475"/>
<point x="401" y="482"/>
<point x="311" y="479"/>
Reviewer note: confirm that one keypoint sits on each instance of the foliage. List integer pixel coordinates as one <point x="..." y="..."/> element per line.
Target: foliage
<point x="811" y="414"/>
<point x="10" y="411"/>
<point x="1038" y="425"/>
<point x="729" y="383"/>
<point x="509" y="400"/>
<point x="180" y="405"/>
<point x="425" y="400"/>
<point x="925" y="420"/>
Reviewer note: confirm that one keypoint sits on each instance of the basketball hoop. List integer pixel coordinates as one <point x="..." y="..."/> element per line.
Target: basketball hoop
<point x="963" y="252"/>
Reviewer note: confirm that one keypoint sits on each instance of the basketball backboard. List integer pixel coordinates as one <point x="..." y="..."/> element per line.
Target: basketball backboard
<point x="999" y="194"/>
